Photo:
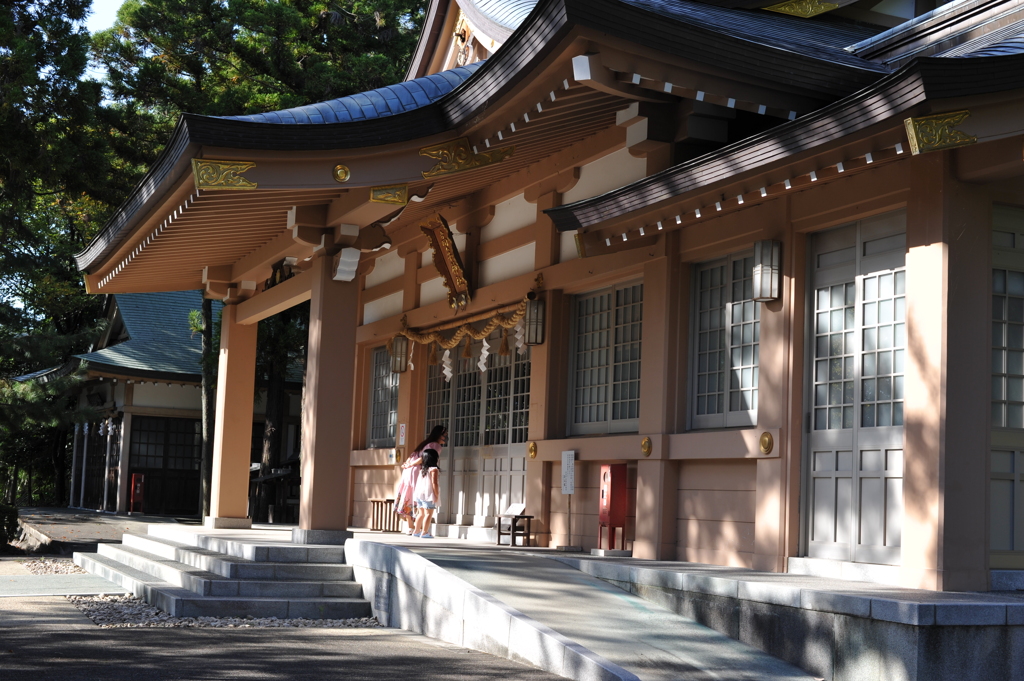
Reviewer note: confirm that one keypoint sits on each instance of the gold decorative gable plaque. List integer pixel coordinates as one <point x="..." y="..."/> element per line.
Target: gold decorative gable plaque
<point x="456" y="156"/>
<point x="804" y="9"/>
<point x="932" y="133"/>
<point x="210" y="174"/>
<point x="396" y="194"/>
<point x="447" y="261"/>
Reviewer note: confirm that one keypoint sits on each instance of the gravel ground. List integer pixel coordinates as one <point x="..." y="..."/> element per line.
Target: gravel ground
<point x="52" y="566"/>
<point x="119" y="612"/>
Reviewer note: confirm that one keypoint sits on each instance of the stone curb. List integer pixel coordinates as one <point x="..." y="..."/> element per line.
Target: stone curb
<point x="409" y="592"/>
<point x="984" y="610"/>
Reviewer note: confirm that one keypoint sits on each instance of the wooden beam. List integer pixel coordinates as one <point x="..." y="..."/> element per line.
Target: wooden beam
<point x="256" y="266"/>
<point x="288" y="293"/>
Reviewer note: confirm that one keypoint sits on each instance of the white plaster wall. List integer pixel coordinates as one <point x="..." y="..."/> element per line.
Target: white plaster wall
<point x="167" y="396"/>
<point x="388" y="267"/>
<point x="382" y="308"/>
<point x="432" y="291"/>
<point x="509" y="216"/>
<point x="567" y="246"/>
<point x="427" y="257"/>
<point x="507" y="265"/>
<point x="119" y="393"/>
<point x="605" y="174"/>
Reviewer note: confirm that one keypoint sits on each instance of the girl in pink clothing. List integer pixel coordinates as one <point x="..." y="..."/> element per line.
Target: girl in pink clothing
<point x="404" y="505"/>
<point x="426" y="495"/>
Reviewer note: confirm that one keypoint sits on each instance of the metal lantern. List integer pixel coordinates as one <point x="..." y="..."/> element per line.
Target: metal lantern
<point x="533" y="320"/>
<point x="767" y="267"/>
<point x="399" y="354"/>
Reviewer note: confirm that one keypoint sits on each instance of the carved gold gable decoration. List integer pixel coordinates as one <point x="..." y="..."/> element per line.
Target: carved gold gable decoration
<point x="456" y="156"/>
<point x="396" y="194"/>
<point x="803" y="8"/>
<point x="211" y="174"/>
<point x="932" y="133"/>
<point x="447" y="261"/>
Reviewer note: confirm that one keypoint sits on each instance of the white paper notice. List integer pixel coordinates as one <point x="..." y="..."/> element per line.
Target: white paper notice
<point x="569" y="472"/>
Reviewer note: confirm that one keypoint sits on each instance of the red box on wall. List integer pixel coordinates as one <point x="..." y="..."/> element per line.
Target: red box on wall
<point x="137" y="490"/>
<point x="612" y="512"/>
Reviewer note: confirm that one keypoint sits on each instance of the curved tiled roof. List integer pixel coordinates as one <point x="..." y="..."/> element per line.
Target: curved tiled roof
<point x="385" y="101"/>
<point x="508" y="13"/>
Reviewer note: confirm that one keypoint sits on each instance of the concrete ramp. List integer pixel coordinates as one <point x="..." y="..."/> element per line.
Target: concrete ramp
<point x="539" y="611"/>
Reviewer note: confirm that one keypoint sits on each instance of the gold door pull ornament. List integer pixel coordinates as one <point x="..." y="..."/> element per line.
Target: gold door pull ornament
<point x="646" y="446"/>
<point x="531" y="449"/>
<point x="767" y="443"/>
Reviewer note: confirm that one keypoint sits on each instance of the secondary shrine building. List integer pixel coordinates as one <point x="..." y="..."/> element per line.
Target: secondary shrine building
<point x="768" y="255"/>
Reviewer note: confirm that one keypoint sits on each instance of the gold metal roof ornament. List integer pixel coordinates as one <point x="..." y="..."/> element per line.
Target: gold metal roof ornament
<point x="933" y="133"/>
<point x="210" y="174"/>
<point x="805" y="9"/>
<point x="395" y="194"/>
<point x="457" y="155"/>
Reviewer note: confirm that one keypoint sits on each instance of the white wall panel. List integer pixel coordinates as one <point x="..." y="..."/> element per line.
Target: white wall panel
<point x="432" y="291"/>
<point x="382" y="308"/>
<point x="507" y="265"/>
<point x="388" y="267"/>
<point x="609" y="172"/>
<point x="167" y="396"/>
<point x="509" y="216"/>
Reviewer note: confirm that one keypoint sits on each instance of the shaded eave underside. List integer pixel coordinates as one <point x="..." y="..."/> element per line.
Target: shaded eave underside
<point x="930" y="78"/>
<point x="542" y="33"/>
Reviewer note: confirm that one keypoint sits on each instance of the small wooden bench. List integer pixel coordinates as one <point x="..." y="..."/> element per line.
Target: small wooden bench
<point x="383" y="517"/>
<point x="514" y="517"/>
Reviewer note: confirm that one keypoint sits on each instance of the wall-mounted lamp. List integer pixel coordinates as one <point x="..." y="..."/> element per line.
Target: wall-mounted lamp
<point x="767" y="270"/>
<point x="399" y="354"/>
<point x="533" y="320"/>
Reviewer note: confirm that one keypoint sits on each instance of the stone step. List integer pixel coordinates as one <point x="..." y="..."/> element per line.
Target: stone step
<point x="233" y="567"/>
<point x="206" y="583"/>
<point x="180" y="602"/>
<point x="253" y="549"/>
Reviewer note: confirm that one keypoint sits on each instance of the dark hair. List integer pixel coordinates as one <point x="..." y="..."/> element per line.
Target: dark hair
<point x="429" y="460"/>
<point x="435" y="436"/>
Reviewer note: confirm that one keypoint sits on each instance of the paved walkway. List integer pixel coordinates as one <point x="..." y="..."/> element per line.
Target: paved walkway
<point x="48" y="639"/>
<point x="66" y="530"/>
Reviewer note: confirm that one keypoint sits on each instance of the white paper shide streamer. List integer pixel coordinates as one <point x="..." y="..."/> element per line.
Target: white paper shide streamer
<point x="520" y="338"/>
<point x="484" y="351"/>
<point x="446" y="362"/>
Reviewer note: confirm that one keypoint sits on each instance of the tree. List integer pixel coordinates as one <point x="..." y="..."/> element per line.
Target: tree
<point x="49" y="208"/>
<point x="201" y="322"/>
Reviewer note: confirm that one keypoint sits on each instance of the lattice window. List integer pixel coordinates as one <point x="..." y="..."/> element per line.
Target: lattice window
<point x="498" y="400"/>
<point x="727" y="339"/>
<point x="520" y="396"/>
<point x="466" y="426"/>
<point x="1007" y="349"/>
<point x="606" y="367"/>
<point x="383" y="400"/>
<point x="835" y="348"/>
<point x="884" y="312"/>
<point x="439" y="398"/>
<point x="158" y="443"/>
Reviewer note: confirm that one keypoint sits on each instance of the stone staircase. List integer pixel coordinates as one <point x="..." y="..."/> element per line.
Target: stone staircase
<point x="190" y="574"/>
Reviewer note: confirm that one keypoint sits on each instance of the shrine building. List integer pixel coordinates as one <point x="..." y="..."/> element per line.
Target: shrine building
<point x="769" y="256"/>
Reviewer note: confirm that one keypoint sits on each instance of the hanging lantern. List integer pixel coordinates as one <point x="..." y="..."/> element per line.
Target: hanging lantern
<point x="533" y="320"/>
<point x="767" y="270"/>
<point x="399" y="354"/>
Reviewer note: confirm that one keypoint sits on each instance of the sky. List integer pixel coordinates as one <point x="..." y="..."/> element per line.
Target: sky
<point x="104" y="12"/>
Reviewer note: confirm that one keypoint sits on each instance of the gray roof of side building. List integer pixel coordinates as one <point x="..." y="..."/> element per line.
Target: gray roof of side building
<point x="159" y="343"/>
<point x="385" y="101"/>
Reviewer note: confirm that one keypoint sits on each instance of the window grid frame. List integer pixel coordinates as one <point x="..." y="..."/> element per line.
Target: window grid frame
<point x="733" y="318"/>
<point x="599" y="339"/>
<point x="383" y="411"/>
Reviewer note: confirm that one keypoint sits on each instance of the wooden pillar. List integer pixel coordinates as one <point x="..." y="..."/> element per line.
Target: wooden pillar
<point x="106" y="468"/>
<point x="125" y="449"/>
<point x="327" y="409"/>
<point x="85" y="456"/>
<point x="547" y="239"/>
<point x="232" y="439"/>
<point x="773" y="403"/>
<point x="656" y="477"/>
<point x="74" y="464"/>
<point x="946" y="459"/>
